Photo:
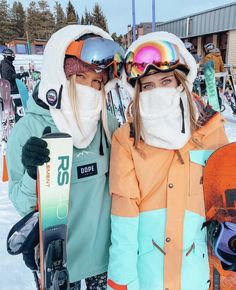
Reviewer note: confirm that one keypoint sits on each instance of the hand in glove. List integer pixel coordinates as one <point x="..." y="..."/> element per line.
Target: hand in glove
<point x="35" y="153"/>
<point x="25" y="74"/>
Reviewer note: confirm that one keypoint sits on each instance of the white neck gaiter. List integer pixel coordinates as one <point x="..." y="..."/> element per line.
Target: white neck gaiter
<point x="88" y="106"/>
<point x="165" y="124"/>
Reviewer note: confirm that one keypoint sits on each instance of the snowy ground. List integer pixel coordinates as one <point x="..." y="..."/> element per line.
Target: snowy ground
<point x="230" y="124"/>
<point x="13" y="273"/>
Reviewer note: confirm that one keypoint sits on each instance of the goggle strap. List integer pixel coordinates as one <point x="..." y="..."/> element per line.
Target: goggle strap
<point x="75" y="48"/>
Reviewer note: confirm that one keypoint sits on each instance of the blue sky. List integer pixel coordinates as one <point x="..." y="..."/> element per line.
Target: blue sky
<point x="119" y="12"/>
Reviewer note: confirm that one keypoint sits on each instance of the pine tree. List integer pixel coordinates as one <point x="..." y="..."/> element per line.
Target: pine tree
<point x="60" y="17"/>
<point x="116" y="38"/>
<point x="46" y="21"/>
<point x="98" y="18"/>
<point x="32" y="21"/>
<point x="17" y="19"/>
<point x="82" y="20"/>
<point x="5" y="27"/>
<point x="87" y="17"/>
<point x="72" y="16"/>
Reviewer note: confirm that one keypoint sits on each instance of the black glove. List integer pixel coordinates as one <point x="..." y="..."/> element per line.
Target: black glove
<point x="25" y="74"/>
<point x="35" y="153"/>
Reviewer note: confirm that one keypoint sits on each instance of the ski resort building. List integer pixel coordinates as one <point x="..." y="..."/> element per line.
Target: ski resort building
<point x="216" y="25"/>
<point x="21" y="46"/>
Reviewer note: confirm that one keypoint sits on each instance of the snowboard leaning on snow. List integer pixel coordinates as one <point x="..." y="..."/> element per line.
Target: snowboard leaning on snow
<point x="8" y="120"/>
<point x="219" y="185"/>
<point x="209" y="73"/>
<point x="53" y="193"/>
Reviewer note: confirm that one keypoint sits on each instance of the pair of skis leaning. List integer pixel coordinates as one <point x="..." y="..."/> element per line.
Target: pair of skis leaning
<point x="48" y="227"/>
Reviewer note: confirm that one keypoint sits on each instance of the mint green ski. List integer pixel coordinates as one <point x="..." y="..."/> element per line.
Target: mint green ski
<point x="209" y="73"/>
<point x="54" y="188"/>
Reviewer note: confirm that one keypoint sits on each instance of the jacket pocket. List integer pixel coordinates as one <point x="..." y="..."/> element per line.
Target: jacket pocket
<point x="195" y="269"/>
<point x="150" y="263"/>
<point x="145" y="247"/>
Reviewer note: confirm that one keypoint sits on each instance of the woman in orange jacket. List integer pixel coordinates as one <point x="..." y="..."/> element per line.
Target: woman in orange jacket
<point x="156" y="172"/>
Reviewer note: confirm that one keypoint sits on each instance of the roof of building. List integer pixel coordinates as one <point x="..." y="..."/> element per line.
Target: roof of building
<point x="218" y="19"/>
<point x="210" y="21"/>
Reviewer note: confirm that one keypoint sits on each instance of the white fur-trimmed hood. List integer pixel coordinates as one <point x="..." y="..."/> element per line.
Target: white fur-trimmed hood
<point x="53" y="79"/>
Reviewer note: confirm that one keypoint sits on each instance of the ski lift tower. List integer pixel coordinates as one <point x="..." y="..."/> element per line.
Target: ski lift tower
<point x="134" y="22"/>
<point x="153" y="15"/>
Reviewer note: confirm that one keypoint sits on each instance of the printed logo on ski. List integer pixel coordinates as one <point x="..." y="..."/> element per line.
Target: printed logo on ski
<point x="63" y="177"/>
<point x="63" y="170"/>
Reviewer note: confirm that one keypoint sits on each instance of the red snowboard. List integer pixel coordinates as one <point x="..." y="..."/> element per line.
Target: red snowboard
<point x="219" y="186"/>
<point x="8" y="120"/>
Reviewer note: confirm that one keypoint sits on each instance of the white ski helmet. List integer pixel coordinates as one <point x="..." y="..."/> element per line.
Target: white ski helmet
<point x="209" y="47"/>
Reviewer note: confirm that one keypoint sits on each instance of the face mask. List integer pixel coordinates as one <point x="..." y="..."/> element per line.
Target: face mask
<point x="11" y="58"/>
<point x="89" y="100"/>
<point x="88" y="106"/>
<point x="165" y="117"/>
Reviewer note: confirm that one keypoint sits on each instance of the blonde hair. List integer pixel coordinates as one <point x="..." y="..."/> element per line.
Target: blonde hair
<point x="135" y="109"/>
<point x="73" y="100"/>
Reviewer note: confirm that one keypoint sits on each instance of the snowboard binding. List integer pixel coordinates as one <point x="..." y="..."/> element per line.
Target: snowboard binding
<point x="56" y="275"/>
<point x="23" y="238"/>
<point x="222" y="238"/>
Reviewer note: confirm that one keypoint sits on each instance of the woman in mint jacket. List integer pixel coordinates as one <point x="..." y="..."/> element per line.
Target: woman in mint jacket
<point x="71" y="99"/>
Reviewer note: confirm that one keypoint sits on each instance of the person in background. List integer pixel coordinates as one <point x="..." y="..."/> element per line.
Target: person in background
<point x="8" y="72"/>
<point x="213" y="53"/>
<point x="190" y="47"/>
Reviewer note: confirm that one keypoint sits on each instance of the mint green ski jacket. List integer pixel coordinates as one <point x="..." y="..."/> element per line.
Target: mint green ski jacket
<point x="89" y="208"/>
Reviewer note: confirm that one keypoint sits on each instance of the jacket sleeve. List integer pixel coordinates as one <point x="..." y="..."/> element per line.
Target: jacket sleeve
<point x="207" y="58"/>
<point x="21" y="187"/>
<point x="222" y="68"/>
<point x="122" y="270"/>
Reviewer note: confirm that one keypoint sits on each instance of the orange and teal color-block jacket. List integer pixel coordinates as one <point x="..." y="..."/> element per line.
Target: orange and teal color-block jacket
<point x="158" y="212"/>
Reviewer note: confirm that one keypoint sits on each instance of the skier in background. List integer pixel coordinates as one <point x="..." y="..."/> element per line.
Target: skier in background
<point x="213" y="54"/>
<point x="190" y="47"/>
<point x="78" y="71"/>
<point x="8" y="72"/>
<point x="156" y="171"/>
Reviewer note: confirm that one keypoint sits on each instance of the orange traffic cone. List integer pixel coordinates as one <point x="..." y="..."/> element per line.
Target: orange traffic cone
<point x="4" y="168"/>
